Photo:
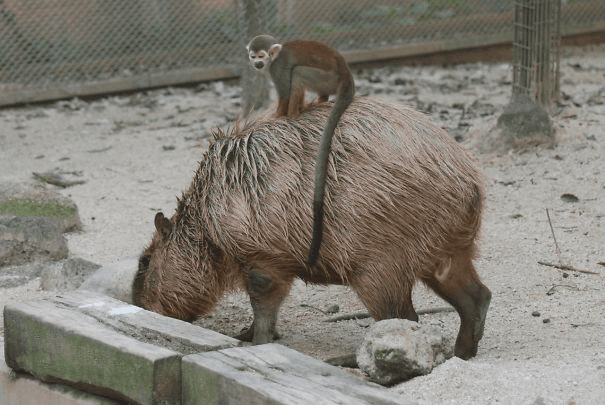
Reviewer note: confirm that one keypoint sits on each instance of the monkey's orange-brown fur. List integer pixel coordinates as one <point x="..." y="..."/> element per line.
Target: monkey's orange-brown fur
<point x="403" y="204"/>
<point x="328" y="74"/>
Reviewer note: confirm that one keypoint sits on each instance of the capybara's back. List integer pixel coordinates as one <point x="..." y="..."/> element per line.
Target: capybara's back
<point x="403" y="203"/>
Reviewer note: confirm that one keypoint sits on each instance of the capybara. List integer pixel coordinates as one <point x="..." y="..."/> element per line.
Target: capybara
<point x="403" y="203"/>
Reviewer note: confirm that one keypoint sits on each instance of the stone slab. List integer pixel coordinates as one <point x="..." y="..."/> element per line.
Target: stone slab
<point x="61" y="345"/>
<point x="274" y="374"/>
<point x="143" y="325"/>
<point x="22" y="389"/>
<point x="104" y="346"/>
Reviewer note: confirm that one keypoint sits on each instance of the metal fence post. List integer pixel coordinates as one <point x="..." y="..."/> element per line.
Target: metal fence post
<point x="536" y="47"/>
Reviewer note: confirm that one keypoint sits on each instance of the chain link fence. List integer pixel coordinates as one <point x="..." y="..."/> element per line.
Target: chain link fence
<point x="52" y="49"/>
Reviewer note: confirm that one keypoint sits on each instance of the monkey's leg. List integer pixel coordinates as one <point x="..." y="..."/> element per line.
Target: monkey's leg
<point x="282" y="107"/>
<point x="267" y="292"/>
<point x="297" y="102"/>
<point x="459" y="284"/>
<point x="282" y="80"/>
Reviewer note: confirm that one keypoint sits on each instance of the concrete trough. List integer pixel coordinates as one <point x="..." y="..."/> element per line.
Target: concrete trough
<point x="103" y="346"/>
<point x="274" y="374"/>
<point x="99" y="350"/>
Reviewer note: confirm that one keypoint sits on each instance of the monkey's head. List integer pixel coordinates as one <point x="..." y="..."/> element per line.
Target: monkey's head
<point x="262" y="50"/>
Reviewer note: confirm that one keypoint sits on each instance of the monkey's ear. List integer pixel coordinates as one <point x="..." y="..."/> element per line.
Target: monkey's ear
<point x="274" y="50"/>
<point x="163" y="225"/>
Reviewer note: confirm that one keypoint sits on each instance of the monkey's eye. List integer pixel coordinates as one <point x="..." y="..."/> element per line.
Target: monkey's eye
<point x="259" y="55"/>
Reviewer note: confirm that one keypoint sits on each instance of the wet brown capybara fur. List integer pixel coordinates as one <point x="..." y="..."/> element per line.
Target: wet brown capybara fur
<point x="403" y="203"/>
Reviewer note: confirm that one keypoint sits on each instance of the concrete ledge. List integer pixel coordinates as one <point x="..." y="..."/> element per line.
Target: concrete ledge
<point x="103" y="346"/>
<point x="59" y="345"/>
<point x="145" y="326"/>
<point x="274" y="374"/>
<point x="86" y="348"/>
<point x="22" y="389"/>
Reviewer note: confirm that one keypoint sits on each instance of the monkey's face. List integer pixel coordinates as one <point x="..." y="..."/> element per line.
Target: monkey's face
<point x="259" y="60"/>
<point x="262" y="50"/>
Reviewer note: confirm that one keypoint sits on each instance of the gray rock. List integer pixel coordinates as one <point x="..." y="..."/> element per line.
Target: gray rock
<point x="396" y="350"/>
<point x="32" y="199"/>
<point x="66" y="275"/>
<point x="114" y="280"/>
<point x="14" y="276"/>
<point x="28" y="239"/>
<point x="523" y="126"/>
<point x="524" y="118"/>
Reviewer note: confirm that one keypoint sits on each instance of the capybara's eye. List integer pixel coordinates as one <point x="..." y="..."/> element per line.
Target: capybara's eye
<point x="144" y="264"/>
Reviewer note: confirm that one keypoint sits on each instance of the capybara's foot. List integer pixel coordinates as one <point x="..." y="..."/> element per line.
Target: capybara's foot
<point x="471" y="330"/>
<point x="247" y="334"/>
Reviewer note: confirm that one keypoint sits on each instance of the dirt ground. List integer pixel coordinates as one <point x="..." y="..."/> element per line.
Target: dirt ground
<point x="544" y="339"/>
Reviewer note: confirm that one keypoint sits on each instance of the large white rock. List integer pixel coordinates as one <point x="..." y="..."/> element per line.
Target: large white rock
<point x="396" y="350"/>
<point x="114" y="280"/>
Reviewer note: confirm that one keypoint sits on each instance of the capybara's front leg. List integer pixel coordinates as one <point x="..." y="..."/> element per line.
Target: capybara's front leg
<point x="266" y="292"/>
<point x="247" y="334"/>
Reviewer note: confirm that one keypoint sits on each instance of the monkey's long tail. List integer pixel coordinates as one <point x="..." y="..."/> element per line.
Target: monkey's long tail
<point x="321" y="171"/>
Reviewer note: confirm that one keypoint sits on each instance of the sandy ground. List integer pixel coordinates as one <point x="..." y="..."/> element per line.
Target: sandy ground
<point x="544" y="339"/>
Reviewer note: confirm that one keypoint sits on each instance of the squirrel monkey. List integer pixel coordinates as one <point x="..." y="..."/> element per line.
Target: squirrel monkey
<point x="294" y="67"/>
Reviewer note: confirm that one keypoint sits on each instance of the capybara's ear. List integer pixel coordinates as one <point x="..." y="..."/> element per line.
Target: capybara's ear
<point x="163" y="225"/>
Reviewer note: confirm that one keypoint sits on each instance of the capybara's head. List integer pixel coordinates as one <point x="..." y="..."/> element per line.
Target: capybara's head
<point x="176" y="278"/>
<point x="152" y="269"/>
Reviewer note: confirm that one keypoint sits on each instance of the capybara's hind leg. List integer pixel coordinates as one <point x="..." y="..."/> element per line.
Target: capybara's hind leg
<point x="266" y="293"/>
<point x="458" y="283"/>
<point x="385" y="297"/>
